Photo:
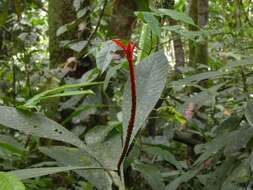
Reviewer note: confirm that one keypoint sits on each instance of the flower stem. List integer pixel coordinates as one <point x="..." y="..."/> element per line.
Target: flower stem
<point x="132" y="116"/>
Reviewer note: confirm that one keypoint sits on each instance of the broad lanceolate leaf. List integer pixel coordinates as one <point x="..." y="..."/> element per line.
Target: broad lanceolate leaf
<point x="37" y="172"/>
<point x="37" y="124"/>
<point x="151" y="76"/>
<point x="10" y="182"/>
<point x="105" y="55"/>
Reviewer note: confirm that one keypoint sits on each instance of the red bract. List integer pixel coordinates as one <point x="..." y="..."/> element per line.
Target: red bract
<point x="128" y="50"/>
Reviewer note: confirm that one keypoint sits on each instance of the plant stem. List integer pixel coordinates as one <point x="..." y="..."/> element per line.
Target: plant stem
<point x="132" y="116"/>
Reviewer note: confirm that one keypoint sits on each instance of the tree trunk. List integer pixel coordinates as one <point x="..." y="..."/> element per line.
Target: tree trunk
<point x="198" y="10"/>
<point x="193" y="13"/>
<point x="178" y="48"/>
<point x="202" y="48"/>
<point x="59" y="13"/>
<point x="123" y="18"/>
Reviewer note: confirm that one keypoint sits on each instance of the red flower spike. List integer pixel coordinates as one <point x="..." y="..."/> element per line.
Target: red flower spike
<point x="120" y="44"/>
<point x="128" y="50"/>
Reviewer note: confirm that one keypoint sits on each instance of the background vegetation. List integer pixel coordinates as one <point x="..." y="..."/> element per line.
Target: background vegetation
<point x="65" y="96"/>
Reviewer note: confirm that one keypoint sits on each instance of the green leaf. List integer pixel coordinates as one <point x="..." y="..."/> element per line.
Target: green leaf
<point x="232" y="142"/>
<point x="197" y="77"/>
<point x="171" y="114"/>
<point x="10" y="144"/>
<point x="98" y="134"/>
<point x="107" y="152"/>
<point x="4" y="12"/>
<point x="216" y="179"/>
<point x="182" y="179"/>
<point x="211" y="148"/>
<point x="66" y="27"/>
<point x="165" y="154"/>
<point x="147" y="42"/>
<point x="81" y="12"/>
<point x="77" y="4"/>
<point x="32" y="103"/>
<point x="151" y="174"/>
<point x="78" y="46"/>
<point x="36" y="124"/>
<point x="230" y="186"/>
<point x="241" y="174"/>
<point x="249" y="113"/>
<point x="236" y="142"/>
<point x="61" y="30"/>
<point x="110" y="73"/>
<point x="38" y="172"/>
<point x="186" y="34"/>
<point x="152" y="21"/>
<point x="151" y="76"/>
<point x="66" y="156"/>
<point x="10" y="182"/>
<point x="70" y="93"/>
<point x="244" y="62"/>
<point x="205" y="97"/>
<point x="105" y="55"/>
<point x="176" y="15"/>
<point x="251" y="161"/>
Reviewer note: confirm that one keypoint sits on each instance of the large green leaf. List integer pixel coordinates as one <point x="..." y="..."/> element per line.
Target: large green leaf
<point x="151" y="76"/>
<point x="10" y="182"/>
<point x="153" y="23"/>
<point x="151" y="20"/>
<point x="105" y="55"/>
<point x="152" y="174"/>
<point x="176" y="15"/>
<point x="147" y="42"/>
<point x="66" y="156"/>
<point x="37" y="124"/>
<point x="38" y="172"/>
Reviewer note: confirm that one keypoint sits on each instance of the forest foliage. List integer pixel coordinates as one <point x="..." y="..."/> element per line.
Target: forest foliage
<point x="66" y="98"/>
